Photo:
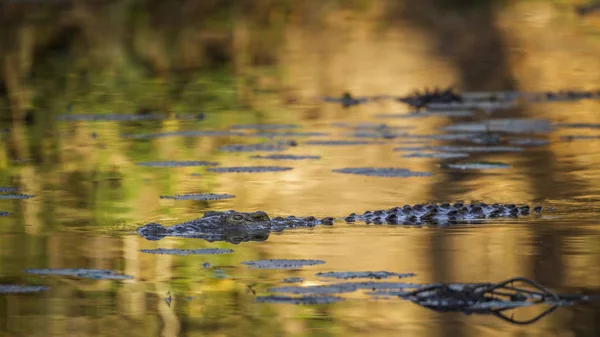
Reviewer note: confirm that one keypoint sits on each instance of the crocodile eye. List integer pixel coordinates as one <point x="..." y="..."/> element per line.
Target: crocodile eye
<point x="260" y="216"/>
<point x="238" y="217"/>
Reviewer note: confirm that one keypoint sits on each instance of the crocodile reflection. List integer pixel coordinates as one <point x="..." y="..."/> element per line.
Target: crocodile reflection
<point x="231" y="226"/>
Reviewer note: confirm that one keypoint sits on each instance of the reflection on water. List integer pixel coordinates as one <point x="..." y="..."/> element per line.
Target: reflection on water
<point x="82" y="191"/>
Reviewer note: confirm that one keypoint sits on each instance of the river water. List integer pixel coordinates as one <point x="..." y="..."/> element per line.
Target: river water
<point x="90" y="194"/>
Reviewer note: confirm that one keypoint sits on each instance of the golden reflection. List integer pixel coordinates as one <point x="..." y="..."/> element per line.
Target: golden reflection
<point x="86" y="182"/>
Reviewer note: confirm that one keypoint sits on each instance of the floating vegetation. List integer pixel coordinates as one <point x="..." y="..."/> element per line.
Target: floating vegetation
<point x="4" y="213"/>
<point x="266" y="147"/>
<point x="364" y="274"/>
<point x="285" y="157"/>
<point x="215" y="133"/>
<point x="437" y="155"/>
<point x="263" y="126"/>
<point x="298" y="300"/>
<point x="4" y="189"/>
<point x="382" y="172"/>
<point x="475" y="166"/>
<point x="340" y="142"/>
<point x="282" y="263"/>
<point x="248" y="169"/>
<point x="489" y="298"/>
<point x="174" y="251"/>
<point x="198" y="196"/>
<point x="420" y="100"/>
<point x="293" y="280"/>
<point x="16" y="196"/>
<point x="96" y="274"/>
<point x="346" y="100"/>
<point x="176" y="163"/>
<point x="463" y="149"/>
<point x="20" y="289"/>
<point x="503" y="125"/>
<point x="428" y="113"/>
<point x="347" y="287"/>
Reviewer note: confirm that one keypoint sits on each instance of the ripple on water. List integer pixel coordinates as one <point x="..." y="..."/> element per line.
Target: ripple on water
<point x="285" y="157"/>
<point x="16" y="196"/>
<point x="504" y="125"/>
<point x="578" y="125"/>
<point x="382" y="172"/>
<point x="305" y="300"/>
<point x="263" y="126"/>
<point x="341" y="142"/>
<point x="262" y="147"/>
<point x="476" y="166"/>
<point x="437" y="155"/>
<point x="290" y="134"/>
<point x="215" y="133"/>
<point x="364" y="274"/>
<point x="282" y="263"/>
<point x="248" y="169"/>
<point x="463" y="149"/>
<point x="176" y="163"/>
<point x="347" y="287"/>
<point x="174" y="251"/>
<point x="198" y="196"/>
<point x="96" y="274"/>
<point x="293" y="280"/>
<point x="18" y="289"/>
<point x="5" y="189"/>
<point x="428" y="113"/>
<point x="110" y="117"/>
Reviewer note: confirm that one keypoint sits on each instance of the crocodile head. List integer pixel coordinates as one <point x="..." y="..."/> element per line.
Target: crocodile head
<point x="237" y="219"/>
<point x="152" y="231"/>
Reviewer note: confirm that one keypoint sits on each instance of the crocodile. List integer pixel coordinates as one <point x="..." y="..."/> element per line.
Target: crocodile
<point x="230" y="226"/>
<point x="236" y="227"/>
<point x="444" y="213"/>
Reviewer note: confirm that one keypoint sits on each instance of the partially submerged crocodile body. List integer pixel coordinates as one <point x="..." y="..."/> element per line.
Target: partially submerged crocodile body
<point x="444" y="213"/>
<point x="236" y="227"/>
<point x="230" y="226"/>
